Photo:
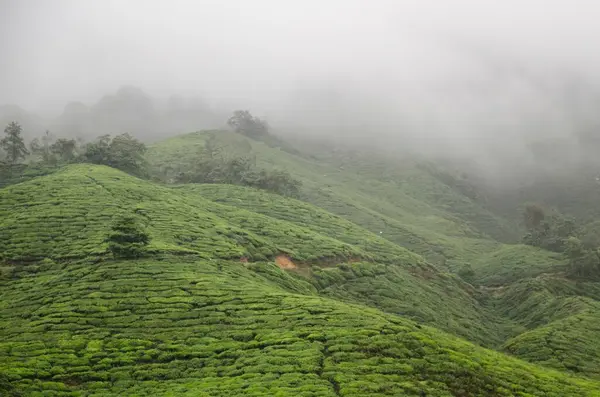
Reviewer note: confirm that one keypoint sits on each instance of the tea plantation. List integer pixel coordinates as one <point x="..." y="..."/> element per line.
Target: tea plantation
<point x="179" y="326"/>
<point x="349" y="289"/>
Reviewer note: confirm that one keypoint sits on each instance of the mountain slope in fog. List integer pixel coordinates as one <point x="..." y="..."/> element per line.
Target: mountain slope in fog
<point x="228" y="300"/>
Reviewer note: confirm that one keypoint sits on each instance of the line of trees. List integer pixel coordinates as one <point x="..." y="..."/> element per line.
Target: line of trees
<point x="214" y="165"/>
<point x="126" y="153"/>
<point x="122" y="151"/>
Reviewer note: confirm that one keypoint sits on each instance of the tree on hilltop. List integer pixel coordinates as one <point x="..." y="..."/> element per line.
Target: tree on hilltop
<point x="123" y="152"/>
<point x="244" y="123"/>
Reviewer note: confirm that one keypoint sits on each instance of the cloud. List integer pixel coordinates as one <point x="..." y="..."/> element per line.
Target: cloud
<point x="470" y="73"/>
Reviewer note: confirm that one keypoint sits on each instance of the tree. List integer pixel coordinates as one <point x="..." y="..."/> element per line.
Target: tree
<point x="582" y="262"/>
<point x="244" y="123"/>
<point x="127" y="154"/>
<point x="123" y="152"/>
<point x="51" y="151"/>
<point x="97" y="152"/>
<point x="127" y="238"/>
<point x="64" y="149"/>
<point x="13" y="143"/>
<point x="36" y="148"/>
<point x="547" y="231"/>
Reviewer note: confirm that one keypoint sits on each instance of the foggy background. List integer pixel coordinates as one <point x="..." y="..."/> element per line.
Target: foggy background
<point x="507" y="83"/>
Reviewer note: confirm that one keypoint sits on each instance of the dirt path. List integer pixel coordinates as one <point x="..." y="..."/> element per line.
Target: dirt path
<point x="284" y="262"/>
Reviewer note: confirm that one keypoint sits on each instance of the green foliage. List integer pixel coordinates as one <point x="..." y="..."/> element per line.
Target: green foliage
<point x="214" y="166"/>
<point x="7" y="388"/>
<point x="208" y="311"/>
<point x="40" y="147"/>
<point x="127" y="238"/>
<point x="17" y="173"/>
<point x="561" y="321"/>
<point x="401" y="202"/>
<point x="557" y="233"/>
<point x="548" y="232"/>
<point x="122" y="152"/>
<point x="69" y="213"/>
<point x="467" y="273"/>
<point x="244" y="123"/>
<point x="590" y="235"/>
<point x="13" y="144"/>
<point x="511" y="263"/>
<point x="444" y="218"/>
<point x="389" y="287"/>
<point x="63" y="150"/>
<point x="583" y="262"/>
<point x="183" y="327"/>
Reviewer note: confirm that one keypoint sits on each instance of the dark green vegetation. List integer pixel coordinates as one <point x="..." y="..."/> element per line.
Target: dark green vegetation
<point x="380" y="277"/>
<point x="123" y="152"/>
<point x="127" y="238"/>
<point x="215" y="165"/>
<point x="13" y="144"/>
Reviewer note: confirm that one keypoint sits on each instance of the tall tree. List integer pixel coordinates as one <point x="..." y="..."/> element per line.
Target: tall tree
<point x="13" y="143"/>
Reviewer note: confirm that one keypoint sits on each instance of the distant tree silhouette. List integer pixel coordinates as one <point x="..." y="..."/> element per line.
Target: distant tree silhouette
<point x="244" y="123"/>
<point x="13" y="143"/>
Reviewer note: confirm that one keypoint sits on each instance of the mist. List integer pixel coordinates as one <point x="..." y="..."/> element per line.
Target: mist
<point x="481" y="79"/>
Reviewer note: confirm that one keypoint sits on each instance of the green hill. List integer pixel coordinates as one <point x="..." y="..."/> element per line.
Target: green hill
<point x="67" y="215"/>
<point x="245" y="292"/>
<point x="560" y="319"/>
<point x="404" y="202"/>
<point x="411" y="204"/>
<point x="176" y="326"/>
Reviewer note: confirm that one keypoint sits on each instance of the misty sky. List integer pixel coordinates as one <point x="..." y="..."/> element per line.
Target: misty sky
<point x="59" y="50"/>
<point x="455" y="66"/>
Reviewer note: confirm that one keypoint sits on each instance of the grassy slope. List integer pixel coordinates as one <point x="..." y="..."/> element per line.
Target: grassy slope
<point x="11" y="174"/>
<point x="408" y="205"/>
<point x="385" y="287"/>
<point x="413" y="208"/>
<point x="560" y="320"/>
<point x="177" y="326"/>
<point x="512" y="263"/>
<point x="67" y="215"/>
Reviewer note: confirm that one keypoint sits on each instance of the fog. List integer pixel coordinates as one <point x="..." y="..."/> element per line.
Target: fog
<point x="479" y="78"/>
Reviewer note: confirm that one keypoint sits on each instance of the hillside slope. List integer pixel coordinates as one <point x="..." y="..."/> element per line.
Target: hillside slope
<point x="176" y="326"/>
<point x="405" y="203"/>
<point x="67" y="216"/>
<point x="417" y="206"/>
<point x="210" y="300"/>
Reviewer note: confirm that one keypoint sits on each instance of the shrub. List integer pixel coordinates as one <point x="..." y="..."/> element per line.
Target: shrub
<point x="128" y="238"/>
